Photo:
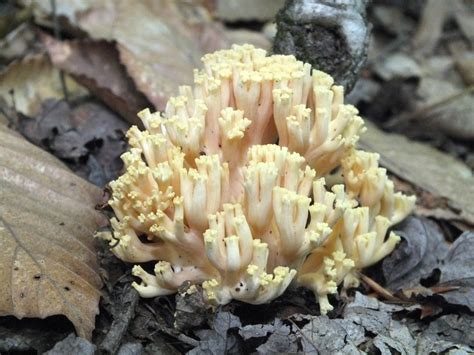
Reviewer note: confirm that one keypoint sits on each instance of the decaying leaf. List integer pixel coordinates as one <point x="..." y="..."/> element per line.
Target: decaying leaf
<point x="88" y="136"/>
<point x="424" y="253"/>
<point x="96" y="65"/>
<point x="281" y="337"/>
<point x="72" y="345"/>
<point x="47" y="219"/>
<point x="192" y="309"/>
<point x="216" y="341"/>
<point x="326" y="336"/>
<point x="454" y="118"/>
<point x="368" y="326"/>
<point x="422" y="249"/>
<point x="376" y="318"/>
<point x="429" y="344"/>
<point x="454" y="328"/>
<point x="25" y="84"/>
<point x="457" y="270"/>
<point x="281" y="341"/>
<point x="427" y="169"/>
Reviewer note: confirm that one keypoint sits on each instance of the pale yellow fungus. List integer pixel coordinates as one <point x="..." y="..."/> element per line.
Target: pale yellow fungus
<point x="226" y="188"/>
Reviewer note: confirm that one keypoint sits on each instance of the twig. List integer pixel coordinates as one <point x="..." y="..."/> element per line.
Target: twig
<point x="57" y="35"/>
<point x="180" y="336"/>
<point x="378" y="288"/>
<point x="119" y="326"/>
<point x="417" y="114"/>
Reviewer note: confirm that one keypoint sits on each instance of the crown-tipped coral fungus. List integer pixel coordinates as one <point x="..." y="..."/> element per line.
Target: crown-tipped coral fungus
<point x="227" y="186"/>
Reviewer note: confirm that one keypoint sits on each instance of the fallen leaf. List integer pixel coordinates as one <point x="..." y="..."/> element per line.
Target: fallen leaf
<point x="216" y="341"/>
<point x="281" y="341"/>
<point x="369" y="326"/>
<point x="96" y="65"/>
<point x="376" y="318"/>
<point x="426" y="168"/>
<point x="326" y="336"/>
<point x="429" y="344"/>
<point x="399" y="339"/>
<point x="26" y="83"/>
<point x="281" y="337"/>
<point x="192" y="309"/>
<point x="72" y="345"/>
<point x="47" y="219"/>
<point x="454" y="328"/>
<point x="87" y="136"/>
<point x="160" y="44"/>
<point x="257" y="330"/>
<point x="424" y="254"/>
<point x="454" y="117"/>
<point x="422" y="249"/>
<point x="457" y="269"/>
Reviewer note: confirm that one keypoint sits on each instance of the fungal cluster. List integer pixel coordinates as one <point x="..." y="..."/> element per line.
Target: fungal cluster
<point x="250" y="182"/>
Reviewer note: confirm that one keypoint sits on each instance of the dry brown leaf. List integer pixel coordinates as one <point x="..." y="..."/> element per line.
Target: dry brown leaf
<point x="25" y="84"/>
<point x="47" y="220"/>
<point x="160" y="41"/>
<point x="160" y="44"/>
<point x="96" y="65"/>
<point x="428" y="169"/>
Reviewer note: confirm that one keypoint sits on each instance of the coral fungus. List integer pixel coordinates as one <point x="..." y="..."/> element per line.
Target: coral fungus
<point x="227" y="186"/>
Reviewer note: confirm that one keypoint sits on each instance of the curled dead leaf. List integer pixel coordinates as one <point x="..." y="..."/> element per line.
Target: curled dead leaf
<point x="96" y="65"/>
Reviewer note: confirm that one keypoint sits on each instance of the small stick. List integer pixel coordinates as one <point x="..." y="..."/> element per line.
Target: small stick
<point x="378" y="288"/>
<point x="121" y="321"/>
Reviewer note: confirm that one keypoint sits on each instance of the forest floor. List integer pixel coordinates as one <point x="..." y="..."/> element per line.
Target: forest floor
<point x="71" y="82"/>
